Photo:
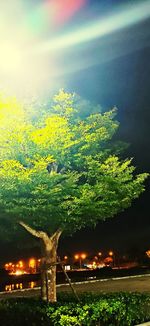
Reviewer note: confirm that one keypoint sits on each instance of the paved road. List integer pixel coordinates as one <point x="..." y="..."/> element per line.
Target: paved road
<point x="140" y="284"/>
<point x="135" y="283"/>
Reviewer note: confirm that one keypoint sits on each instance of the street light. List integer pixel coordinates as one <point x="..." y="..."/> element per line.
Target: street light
<point x="111" y="254"/>
<point x="99" y="253"/>
<point x="83" y="256"/>
<point x="80" y="257"/>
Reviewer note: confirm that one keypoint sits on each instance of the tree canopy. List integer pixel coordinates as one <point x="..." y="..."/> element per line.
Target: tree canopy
<point x="59" y="170"/>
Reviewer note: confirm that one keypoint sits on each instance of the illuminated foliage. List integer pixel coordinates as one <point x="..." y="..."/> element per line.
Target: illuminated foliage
<point x="62" y="173"/>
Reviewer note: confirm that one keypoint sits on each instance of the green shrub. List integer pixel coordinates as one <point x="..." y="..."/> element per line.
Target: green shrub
<point x="116" y="309"/>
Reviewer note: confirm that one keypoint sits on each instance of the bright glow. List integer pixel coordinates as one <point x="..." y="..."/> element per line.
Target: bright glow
<point x="129" y="15"/>
<point x="8" y="288"/>
<point x="83" y="256"/>
<point x="32" y="263"/>
<point x="148" y="253"/>
<point x="111" y="253"/>
<point x="21" y="72"/>
<point x="18" y="272"/>
<point x="21" y="264"/>
<point x="35" y="50"/>
<point x="32" y="284"/>
<point x="80" y="256"/>
<point x="10" y="58"/>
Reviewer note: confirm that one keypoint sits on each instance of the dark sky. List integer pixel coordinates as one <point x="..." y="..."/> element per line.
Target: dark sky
<point x="124" y="82"/>
<point x="119" y="75"/>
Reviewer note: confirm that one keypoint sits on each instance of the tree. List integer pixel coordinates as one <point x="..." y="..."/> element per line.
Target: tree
<point x="61" y="173"/>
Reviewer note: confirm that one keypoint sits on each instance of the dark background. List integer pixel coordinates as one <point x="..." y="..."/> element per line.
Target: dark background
<point x="123" y="81"/>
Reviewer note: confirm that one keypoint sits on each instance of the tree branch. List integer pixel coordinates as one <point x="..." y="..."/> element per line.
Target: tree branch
<point x="55" y="237"/>
<point x="43" y="235"/>
<point x="35" y="233"/>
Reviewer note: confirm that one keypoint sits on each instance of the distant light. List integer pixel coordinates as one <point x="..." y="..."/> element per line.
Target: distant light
<point x="19" y="286"/>
<point x="65" y="257"/>
<point x="94" y="264"/>
<point x="32" y="263"/>
<point x="20" y="264"/>
<point x="83" y="256"/>
<point x="111" y="253"/>
<point x="18" y="272"/>
<point x="148" y="253"/>
<point x="76" y="256"/>
<point x="67" y="268"/>
<point x="32" y="284"/>
<point x="8" y="288"/>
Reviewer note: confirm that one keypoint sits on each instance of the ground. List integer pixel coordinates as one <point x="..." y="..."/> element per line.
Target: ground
<point x="131" y="284"/>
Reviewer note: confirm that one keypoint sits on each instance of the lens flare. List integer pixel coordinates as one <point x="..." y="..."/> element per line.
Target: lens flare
<point x="10" y="57"/>
<point x="128" y="16"/>
<point x="64" y="10"/>
<point x="40" y="46"/>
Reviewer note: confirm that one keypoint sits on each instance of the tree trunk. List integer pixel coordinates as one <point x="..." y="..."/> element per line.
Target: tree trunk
<point x="48" y="270"/>
<point x="48" y="262"/>
<point x="43" y="285"/>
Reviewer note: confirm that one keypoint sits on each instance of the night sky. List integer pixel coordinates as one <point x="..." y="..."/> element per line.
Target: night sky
<point x="118" y="75"/>
<point x="125" y="83"/>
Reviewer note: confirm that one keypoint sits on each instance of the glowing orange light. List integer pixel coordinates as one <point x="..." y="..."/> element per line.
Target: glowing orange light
<point x="18" y="272"/>
<point x="7" y="287"/>
<point x="148" y="253"/>
<point x="32" y="284"/>
<point x="20" y="264"/>
<point x="76" y="256"/>
<point x="32" y="263"/>
<point x="111" y="253"/>
<point x="65" y="257"/>
<point x="83" y="256"/>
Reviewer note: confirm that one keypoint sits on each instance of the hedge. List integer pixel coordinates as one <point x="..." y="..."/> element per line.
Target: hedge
<point x="116" y="309"/>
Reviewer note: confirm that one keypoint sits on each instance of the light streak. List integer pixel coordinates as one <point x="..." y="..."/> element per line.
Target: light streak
<point x="29" y="65"/>
<point x="127" y="16"/>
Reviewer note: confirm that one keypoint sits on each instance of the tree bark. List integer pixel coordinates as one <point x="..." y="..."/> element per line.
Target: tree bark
<point x="48" y="272"/>
<point x="48" y="262"/>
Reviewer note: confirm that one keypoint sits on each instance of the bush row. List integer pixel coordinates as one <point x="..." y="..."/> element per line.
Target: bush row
<point x="124" y="309"/>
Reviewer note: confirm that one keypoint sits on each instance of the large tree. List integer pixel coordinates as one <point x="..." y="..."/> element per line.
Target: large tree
<point x="60" y="172"/>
